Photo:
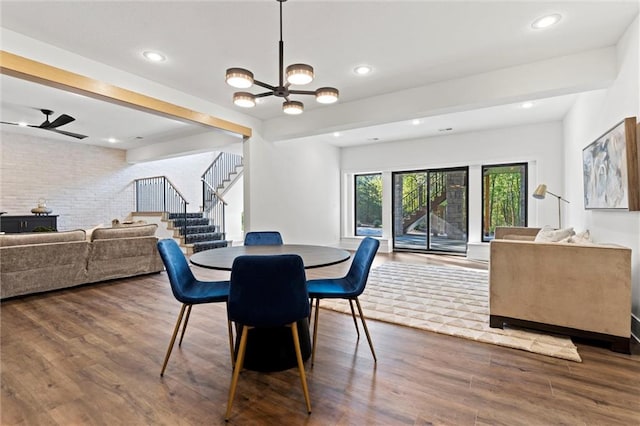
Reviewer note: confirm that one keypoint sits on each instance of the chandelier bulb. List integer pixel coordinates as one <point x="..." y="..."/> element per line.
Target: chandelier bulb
<point x="239" y="78"/>
<point x="327" y="95"/>
<point x="292" y="107"/>
<point x="244" y="99"/>
<point x="299" y="74"/>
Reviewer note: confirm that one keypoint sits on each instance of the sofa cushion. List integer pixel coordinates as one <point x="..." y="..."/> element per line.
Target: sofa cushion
<point x="89" y="231"/>
<point x="9" y="240"/>
<point x="124" y="232"/>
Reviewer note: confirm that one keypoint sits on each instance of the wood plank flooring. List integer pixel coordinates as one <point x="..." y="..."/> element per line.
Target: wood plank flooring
<point x="92" y="356"/>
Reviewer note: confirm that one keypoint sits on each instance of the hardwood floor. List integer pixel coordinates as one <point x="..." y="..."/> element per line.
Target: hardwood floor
<point x="92" y="356"/>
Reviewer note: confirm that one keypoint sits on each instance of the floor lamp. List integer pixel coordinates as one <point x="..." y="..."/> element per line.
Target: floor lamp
<point x="541" y="192"/>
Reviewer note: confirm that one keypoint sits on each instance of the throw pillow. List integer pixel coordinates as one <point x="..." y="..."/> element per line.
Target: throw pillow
<point x="550" y="235"/>
<point x="583" y="238"/>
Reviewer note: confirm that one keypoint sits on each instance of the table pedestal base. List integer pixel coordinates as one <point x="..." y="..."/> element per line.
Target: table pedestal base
<point x="271" y="349"/>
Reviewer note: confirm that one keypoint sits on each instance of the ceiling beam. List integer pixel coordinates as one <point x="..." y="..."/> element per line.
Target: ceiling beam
<point x="38" y="72"/>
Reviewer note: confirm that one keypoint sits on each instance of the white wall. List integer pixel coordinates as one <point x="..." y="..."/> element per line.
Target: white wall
<point x="85" y="185"/>
<point x="592" y="115"/>
<point x="540" y="145"/>
<point x="293" y="188"/>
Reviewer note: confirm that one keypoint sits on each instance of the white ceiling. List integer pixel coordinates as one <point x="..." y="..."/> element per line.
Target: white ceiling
<point x="408" y="44"/>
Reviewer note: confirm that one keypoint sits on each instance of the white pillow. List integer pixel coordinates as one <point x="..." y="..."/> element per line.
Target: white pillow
<point x="583" y="238"/>
<point x="550" y="235"/>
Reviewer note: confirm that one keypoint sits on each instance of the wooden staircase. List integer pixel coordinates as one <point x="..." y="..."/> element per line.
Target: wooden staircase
<point x="200" y="235"/>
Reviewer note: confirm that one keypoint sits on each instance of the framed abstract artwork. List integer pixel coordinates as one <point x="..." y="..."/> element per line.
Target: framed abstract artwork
<point x="610" y="169"/>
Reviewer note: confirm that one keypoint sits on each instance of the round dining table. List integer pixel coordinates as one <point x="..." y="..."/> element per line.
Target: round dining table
<point x="312" y="256"/>
<point x="271" y="349"/>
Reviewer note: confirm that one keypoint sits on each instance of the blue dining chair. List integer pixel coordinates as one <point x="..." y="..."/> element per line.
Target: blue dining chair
<point x="349" y="287"/>
<point x="188" y="290"/>
<point x="266" y="292"/>
<point x="262" y="238"/>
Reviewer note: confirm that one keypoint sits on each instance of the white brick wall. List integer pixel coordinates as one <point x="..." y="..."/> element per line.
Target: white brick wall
<point x="85" y="185"/>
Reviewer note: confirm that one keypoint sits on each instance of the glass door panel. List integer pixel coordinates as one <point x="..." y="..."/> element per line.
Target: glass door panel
<point x="410" y="210"/>
<point x="430" y="210"/>
<point x="448" y="210"/>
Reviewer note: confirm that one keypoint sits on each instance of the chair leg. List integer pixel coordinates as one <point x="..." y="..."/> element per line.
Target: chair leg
<point x="303" y="377"/>
<point x="353" y="315"/>
<point x="173" y="338"/>
<point x="310" y="309"/>
<point x="233" y="358"/>
<point x="184" y="326"/>
<point x="366" y="330"/>
<point x="315" y="331"/>
<point x="236" y="370"/>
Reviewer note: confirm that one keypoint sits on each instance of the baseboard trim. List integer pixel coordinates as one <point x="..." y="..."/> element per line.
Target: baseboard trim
<point x="618" y="344"/>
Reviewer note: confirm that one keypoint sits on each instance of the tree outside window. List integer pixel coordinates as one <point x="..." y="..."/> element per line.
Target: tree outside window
<point x="504" y="197"/>
<point x="368" y="204"/>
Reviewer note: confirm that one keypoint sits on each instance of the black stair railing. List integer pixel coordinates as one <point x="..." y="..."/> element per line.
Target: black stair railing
<point x="158" y="194"/>
<point x="220" y="172"/>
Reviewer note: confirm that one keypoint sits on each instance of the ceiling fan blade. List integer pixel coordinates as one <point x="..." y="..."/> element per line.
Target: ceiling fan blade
<point x="60" y="121"/>
<point x="73" y="135"/>
<point x="6" y="122"/>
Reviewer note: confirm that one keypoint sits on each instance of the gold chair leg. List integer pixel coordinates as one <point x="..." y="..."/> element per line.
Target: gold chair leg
<point x="236" y="370"/>
<point x="173" y="338"/>
<point x="233" y="358"/>
<point x="315" y="331"/>
<point x="184" y="326"/>
<point x="303" y="377"/>
<point x="353" y="315"/>
<point x="366" y="330"/>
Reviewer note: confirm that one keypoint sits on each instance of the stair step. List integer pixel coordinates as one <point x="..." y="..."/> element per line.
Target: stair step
<point x="191" y="221"/>
<point x="209" y="245"/>
<point x="172" y="216"/>
<point x="198" y="238"/>
<point x="200" y="229"/>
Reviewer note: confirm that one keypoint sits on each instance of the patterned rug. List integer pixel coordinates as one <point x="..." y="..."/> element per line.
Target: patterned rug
<point x="449" y="300"/>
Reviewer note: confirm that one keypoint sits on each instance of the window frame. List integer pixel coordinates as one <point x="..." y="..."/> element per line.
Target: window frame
<point x="525" y="185"/>
<point x="355" y="200"/>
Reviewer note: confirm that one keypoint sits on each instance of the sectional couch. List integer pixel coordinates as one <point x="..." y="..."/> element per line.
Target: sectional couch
<point x="581" y="290"/>
<point x="37" y="262"/>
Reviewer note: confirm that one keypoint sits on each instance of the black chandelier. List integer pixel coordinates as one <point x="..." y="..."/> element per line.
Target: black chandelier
<point x="296" y="74"/>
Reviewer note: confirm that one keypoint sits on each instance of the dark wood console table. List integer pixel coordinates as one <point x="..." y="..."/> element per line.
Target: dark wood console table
<point x="27" y="223"/>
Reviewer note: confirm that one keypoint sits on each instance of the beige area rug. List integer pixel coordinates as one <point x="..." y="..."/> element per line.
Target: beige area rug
<point x="449" y="300"/>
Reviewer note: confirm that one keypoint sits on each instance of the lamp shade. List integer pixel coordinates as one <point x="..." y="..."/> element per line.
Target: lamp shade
<point x="239" y="78"/>
<point x="327" y="95"/>
<point x="292" y="107"/>
<point x="540" y="192"/>
<point x="244" y="99"/>
<point x="299" y="74"/>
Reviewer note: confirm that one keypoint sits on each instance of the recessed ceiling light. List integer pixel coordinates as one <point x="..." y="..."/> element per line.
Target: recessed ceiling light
<point x="527" y="105"/>
<point x="416" y="121"/>
<point x="112" y="140"/>
<point x="154" y="56"/>
<point x="362" y="69"/>
<point x="546" y="21"/>
<point x="22" y="124"/>
<point x="336" y="134"/>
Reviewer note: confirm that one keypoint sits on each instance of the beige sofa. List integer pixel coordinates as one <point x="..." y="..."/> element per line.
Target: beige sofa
<point x="573" y="289"/>
<point x="37" y="262"/>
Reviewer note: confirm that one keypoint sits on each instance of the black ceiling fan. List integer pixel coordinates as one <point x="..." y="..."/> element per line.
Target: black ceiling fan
<point x="53" y="126"/>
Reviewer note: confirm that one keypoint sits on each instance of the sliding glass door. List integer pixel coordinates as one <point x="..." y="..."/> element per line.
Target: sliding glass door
<point x="430" y="210"/>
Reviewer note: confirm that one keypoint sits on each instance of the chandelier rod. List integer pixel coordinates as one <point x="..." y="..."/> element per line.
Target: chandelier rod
<point x="281" y="46"/>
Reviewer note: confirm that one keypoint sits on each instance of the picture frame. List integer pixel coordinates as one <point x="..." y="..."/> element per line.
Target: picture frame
<point x="611" y="178"/>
